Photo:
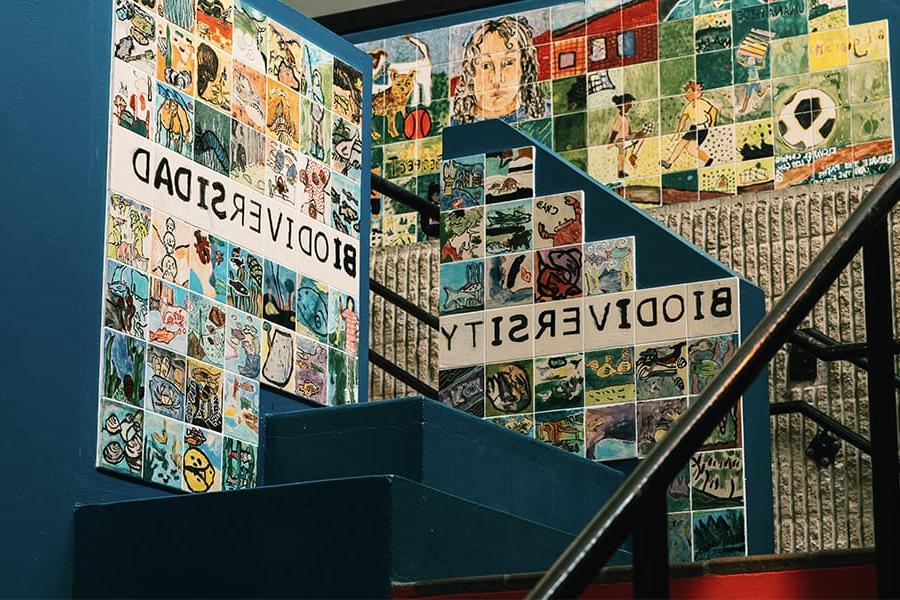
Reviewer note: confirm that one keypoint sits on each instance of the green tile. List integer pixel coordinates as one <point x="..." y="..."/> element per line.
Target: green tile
<point x="599" y="125"/>
<point x="871" y="122"/>
<point x="674" y="74"/>
<point x="676" y="38"/>
<point x="714" y="69"/>
<point x="869" y="82"/>
<point x="789" y="56"/>
<point x="577" y="158"/>
<point x="642" y="81"/>
<point x="540" y="129"/>
<point x="835" y="83"/>
<point x="758" y="107"/>
<point x="670" y="113"/>
<point x="788" y="18"/>
<point x="569" y="95"/>
<point x="745" y="19"/>
<point x="569" y="132"/>
<point x="712" y="32"/>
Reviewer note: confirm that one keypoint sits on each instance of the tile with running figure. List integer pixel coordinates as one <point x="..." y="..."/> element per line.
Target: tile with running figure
<point x="204" y="396"/>
<point x="241" y="413"/>
<point x="462" y="234"/>
<point x="610" y="432"/>
<point x="509" y="174"/>
<point x="120" y="440"/>
<point x="509" y="227"/>
<point x="463" y="389"/>
<point x="654" y="420"/>
<point x="558" y="382"/>
<point x="558" y="220"/>
<point x="609" y="376"/>
<point x="563" y="429"/>
<point x="508" y="388"/>
<point x="717" y="479"/>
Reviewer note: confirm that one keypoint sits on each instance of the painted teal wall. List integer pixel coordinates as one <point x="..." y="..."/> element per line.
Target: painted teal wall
<point x="53" y="125"/>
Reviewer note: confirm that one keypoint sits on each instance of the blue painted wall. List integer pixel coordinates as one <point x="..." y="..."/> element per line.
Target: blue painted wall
<point x="53" y="123"/>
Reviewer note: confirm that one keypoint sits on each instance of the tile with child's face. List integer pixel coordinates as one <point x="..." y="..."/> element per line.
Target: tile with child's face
<point x="509" y="175"/>
<point x="610" y="432"/>
<point x="558" y="220"/>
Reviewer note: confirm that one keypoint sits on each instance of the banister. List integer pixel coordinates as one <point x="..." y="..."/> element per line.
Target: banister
<point x="593" y="547"/>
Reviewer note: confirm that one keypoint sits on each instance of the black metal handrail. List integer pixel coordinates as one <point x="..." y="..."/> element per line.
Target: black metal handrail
<point x="394" y="298"/>
<point x="430" y="212"/>
<point x="826" y="348"/>
<point x="644" y="490"/>
<point x="829" y="424"/>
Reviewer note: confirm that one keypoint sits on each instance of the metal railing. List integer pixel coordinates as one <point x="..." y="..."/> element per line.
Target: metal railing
<point x="639" y="505"/>
<point x="431" y="215"/>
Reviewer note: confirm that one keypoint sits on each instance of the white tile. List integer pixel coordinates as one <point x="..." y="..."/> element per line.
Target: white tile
<point x="609" y="321"/>
<point x="714" y="307"/>
<point x="509" y="333"/>
<point x="661" y="314"/>
<point x="461" y="340"/>
<point x="559" y="327"/>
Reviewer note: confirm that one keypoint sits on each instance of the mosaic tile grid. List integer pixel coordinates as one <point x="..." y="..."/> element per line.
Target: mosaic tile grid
<point x="193" y="324"/>
<point x="547" y="335"/>
<point x="665" y="101"/>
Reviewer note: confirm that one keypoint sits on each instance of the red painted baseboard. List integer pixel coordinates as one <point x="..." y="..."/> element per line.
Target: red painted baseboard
<point x="850" y="582"/>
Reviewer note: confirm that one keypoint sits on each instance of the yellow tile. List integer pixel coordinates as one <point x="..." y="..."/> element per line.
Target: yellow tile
<point x="828" y="49"/>
<point x="868" y="42"/>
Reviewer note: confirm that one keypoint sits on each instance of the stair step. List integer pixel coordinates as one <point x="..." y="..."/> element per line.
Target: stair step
<point x="443" y="448"/>
<point x="345" y="537"/>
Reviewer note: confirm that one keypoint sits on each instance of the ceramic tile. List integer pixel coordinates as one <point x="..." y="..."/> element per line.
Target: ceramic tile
<point x="563" y="429"/>
<point x="609" y="320"/>
<point x="463" y="388"/>
<point x="509" y="388"/>
<point x="609" y="376"/>
<point x="559" y="382"/>
<point x="462" y="235"/>
<point x="510" y="280"/>
<point x="509" y="227"/>
<point x="558" y="220"/>
<point x="559" y="273"/>
<point x="461" y="340"/>
<point x="610" y="432"/>
<point x="509" y="333"/>
<point x="714" y="307"/>
<point x="558" y="327"/>
<point x="654" y="420"/>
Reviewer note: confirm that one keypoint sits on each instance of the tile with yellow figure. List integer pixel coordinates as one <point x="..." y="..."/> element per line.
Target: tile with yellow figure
<point x="400" y="160"/>
<point x="602" y="164"/>
<point x="828" y="49"/>
<point x="717" y="181"/>
<point x="202" y="462"/>
<point x="755" y="175"/>
<point x="644" y="191"/>
<point x="176" y="57"/>
<point x="868" y="42"/>
<point x="285" y="58"/>
<point x="428" y="155"/>
<point x="676" y="151"/>
<point x="214" y="76"/>
<point x="283" y="114"/>
<point x="215" y="22"/>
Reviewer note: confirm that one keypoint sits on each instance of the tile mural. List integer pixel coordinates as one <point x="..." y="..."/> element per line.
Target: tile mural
<point x="664" y="101"/>
<point x="549" y="336"/>
<point x="194" y="322"/>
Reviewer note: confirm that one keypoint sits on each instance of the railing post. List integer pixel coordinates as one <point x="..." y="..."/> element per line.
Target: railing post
<point x="882" y="411"/>
<point x="650" y="575"/>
